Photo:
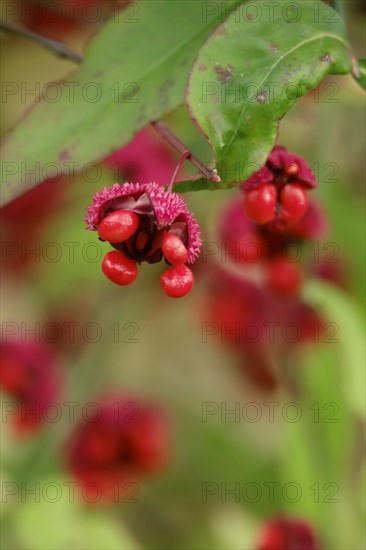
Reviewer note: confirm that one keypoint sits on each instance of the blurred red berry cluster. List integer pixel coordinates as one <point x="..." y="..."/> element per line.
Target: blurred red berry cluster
<point x="125" y="440"/>
<point x="59" y="18"/>
<point x="255" y="270"/>
<point x="284" y="533"/>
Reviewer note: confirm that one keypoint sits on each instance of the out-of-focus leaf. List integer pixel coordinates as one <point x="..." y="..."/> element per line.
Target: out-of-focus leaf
<point x="52" y="519"/>
<point x="252" y="70"/>
<point x="319" y="448"/>
<point x="360" y="76"/>
<point x="340" y="309"/>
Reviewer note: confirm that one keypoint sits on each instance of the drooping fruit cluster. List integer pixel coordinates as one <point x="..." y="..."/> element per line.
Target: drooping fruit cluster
<point x="267" y="248"/>
<point x="24" y="220"/>
<point x="284" y="277"/>
<point x="145" y="223"/>
<point x="253" y="281"/>
<point x="29" y="374"/>
<point x="277" y="192"/>
<point x="60" y="17"/>
<point x="288" y="534"/>
<point x="125" y="440"/>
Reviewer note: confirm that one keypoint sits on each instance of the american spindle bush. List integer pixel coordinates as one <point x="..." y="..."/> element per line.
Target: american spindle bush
<point x="209" y="148"/>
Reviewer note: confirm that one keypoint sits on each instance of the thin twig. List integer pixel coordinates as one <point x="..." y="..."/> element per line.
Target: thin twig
<point x="178" y="167"/>
<point x="58" y="48"/>
<point x="163" y="130"/>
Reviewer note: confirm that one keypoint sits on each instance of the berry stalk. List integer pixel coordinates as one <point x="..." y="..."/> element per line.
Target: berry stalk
<point x="163" y="130"/>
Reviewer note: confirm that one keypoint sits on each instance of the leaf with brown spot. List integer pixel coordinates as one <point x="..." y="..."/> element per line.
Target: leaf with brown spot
<point x="272" y="63"/>
<point x="133" y="73"/>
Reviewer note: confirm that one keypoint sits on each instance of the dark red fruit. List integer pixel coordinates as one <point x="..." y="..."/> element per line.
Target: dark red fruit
<point x="294" y="202"/>
<point x="119" y="269"/>
<point x="174" y="250"/>
<point x="177" y="281"/>
<point x="288" y="534"/>
<point x="118" y="226"/>
<point x="16" y="377"/>
<point x="260" y="203"/>
<point x="284" y="277"/>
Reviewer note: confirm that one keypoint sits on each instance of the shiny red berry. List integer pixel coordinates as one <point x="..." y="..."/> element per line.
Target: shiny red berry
<point x="177" y="281"/>
<point x="174" y="250"/>
<point x="118" y="268"/>
<point x="260" y="203"/>
<point x="284" y="277"/>
<point x="294" y="202"/>
<point x="118" y="226"/>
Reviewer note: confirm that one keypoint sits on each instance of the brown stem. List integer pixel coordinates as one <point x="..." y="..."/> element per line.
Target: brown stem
<point x="163" y="130"/>
<point x="58" y="48"/>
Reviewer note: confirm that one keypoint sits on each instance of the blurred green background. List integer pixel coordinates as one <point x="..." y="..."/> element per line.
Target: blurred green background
<point x="172" y="365"/>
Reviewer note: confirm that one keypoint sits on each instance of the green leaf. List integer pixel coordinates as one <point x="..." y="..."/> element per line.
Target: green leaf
<point x="359" y="73"/>
<point x="80" y="527"/>
<point x="340" y="309"/>
<point x="252" y="70"/>
<point x="134" y="71"/>
<point x="318" y="451"/>
<point x="200" y="184"/>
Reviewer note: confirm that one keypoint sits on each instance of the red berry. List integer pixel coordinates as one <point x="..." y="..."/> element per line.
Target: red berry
<point x="294" y="202"/>
<point x="118" y="268"/>
<point x="174" y="250"/>
<point x="292" y="169"/>
<point x="260" y="203"/>
<point x="177" y="281"/>
<point x="284" y="277"/>
<point x="118" y="226"/>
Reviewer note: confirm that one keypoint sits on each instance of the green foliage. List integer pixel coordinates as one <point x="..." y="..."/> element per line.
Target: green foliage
<point x="361" y="73"/>
<point x="252" y="70"/>
<point x="38" y="523"/>
<point x="134" y="71"/>
<point x="341" y="310"/>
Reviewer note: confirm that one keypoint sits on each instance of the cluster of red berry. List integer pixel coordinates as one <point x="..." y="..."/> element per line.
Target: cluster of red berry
<point x="120" y="226"/>
<point x="283" y="533"/>
<point x="278" y="190"/>
<point x="126" y="437"/>
<point x="254" y="280"/>
<point x="58" y="18"/>
<point x="262" y="204"/>
<point x="145" y="223"/>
